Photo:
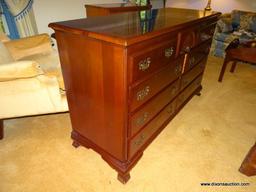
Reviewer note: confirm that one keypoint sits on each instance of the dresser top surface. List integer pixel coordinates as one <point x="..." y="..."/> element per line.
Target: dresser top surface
<point x="133" y="27"/>
<point x="113" y="5"/>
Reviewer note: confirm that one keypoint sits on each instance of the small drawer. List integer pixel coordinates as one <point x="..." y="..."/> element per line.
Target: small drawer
<point x="144" y="115"/>
<point x="142" y="92"/>
<point x="193" y="73"/>
<point x="151" y="59"/>
<point x="186" y="93"/>
<point x="146" y="135"/>
<point x="196" y="55"/>
<point x="187" y="41"/>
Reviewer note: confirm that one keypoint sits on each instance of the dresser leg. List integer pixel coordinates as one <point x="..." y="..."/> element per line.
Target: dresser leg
<point x="75" y="144"/>
<point x="198" y="94"/>
<point x="123" y="178"/>
<point x="248" y="166"/>
<point x="1" y="128"/>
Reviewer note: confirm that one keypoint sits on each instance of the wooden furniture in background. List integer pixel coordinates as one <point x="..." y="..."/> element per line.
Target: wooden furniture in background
<point x="248" y="166"/>
<point x="128" y="75"/>
<point x="113" y="8"/>
<point x="238" y="52"/>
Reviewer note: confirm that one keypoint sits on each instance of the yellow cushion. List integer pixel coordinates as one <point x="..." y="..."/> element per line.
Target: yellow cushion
<point x="50" y="64"/>
<point x="19" y="70"/>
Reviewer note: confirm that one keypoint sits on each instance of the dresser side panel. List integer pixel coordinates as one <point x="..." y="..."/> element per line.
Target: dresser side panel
<point x="94" y="76"/>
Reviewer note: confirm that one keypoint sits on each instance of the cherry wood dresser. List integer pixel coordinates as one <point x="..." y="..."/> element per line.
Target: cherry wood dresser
<point x="127" y="75"/>
<point x="113" y="8"/>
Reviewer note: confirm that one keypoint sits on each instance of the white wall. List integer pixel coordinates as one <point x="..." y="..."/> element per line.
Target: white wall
<point x="223" y="6"/>
<point x="47" y="11"/>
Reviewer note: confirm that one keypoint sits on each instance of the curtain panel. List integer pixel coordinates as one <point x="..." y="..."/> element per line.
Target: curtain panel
<point x="23" y="14"/>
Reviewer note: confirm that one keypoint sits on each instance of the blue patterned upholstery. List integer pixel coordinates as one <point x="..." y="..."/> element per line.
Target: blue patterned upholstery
<point x="223" y="35"/>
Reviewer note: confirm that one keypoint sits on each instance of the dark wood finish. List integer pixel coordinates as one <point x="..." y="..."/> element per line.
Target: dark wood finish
<point x="1" y="129"/>
<point x="238" y="52"/>
<point x="147" y="58"/>
<point x="248" y="166"/>
<point x="113" y="8"/>
<point x="188" y="77"/>
<point x="148" y="111"/>
<point x="143" y="91"/>
<point x="123" y="77"/>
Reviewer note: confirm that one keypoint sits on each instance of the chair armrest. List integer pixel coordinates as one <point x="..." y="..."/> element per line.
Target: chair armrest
<point x="19" y="70"/>
<point x="29" y="46"/>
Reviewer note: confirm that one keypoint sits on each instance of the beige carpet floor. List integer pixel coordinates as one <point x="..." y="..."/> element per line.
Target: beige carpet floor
<point x="206" y="142"/>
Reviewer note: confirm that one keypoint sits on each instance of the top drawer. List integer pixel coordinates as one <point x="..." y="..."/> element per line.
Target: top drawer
<point x="150" y="57"/>
<point x="187" y="41"/>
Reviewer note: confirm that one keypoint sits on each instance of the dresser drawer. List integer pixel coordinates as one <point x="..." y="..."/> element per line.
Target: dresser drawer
<point x="142" y="92"/>
<point x="193" y="73"/>
<point x="186" y="93"/>
<point x="144" y="137"/>
<point x="149" y="60"/>
<point x="196" y="55"/>
<point x="145" y="114"/>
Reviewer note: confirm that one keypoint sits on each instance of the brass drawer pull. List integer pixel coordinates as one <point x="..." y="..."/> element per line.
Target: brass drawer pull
<point x="169" y="52"/>
<point x="143" y="93"/>
<point x="144" y="64"/>
<point x="141" y="120"/>
<point x="140" y="140"/>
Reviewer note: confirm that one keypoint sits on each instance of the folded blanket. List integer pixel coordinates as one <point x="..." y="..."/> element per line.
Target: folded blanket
<point x="29" y="46"/>
<point x="19" y="70"/>
<point x="50" y="64"/>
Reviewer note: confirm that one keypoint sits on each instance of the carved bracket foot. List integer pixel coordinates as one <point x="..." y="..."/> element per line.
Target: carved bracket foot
<point x="198" y="91"/>
<point x="122" y="167"/>
<point x="123" y="178"/>
<point x="76" y="144"/>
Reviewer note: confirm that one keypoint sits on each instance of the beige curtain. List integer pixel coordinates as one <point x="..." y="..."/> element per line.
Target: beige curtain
<point x="23" y="13"/>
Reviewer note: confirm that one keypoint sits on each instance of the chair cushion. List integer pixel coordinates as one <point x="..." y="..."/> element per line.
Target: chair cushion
<point x="225" y="25"/>
<point x="224" y="37"/>
<point x="19" y="70"/>
<point x="253" y="24"/>
<point x="50" y="64"/>
<point x="242" y="19"/>
<point x="5" y="56"/>
<point x="247" y="22"/>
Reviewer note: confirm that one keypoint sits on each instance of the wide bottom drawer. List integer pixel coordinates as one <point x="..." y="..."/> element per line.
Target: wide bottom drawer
<point x="142" y="139"/>
<point x="187" y="92"/>
<point x="188" y="77"/>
